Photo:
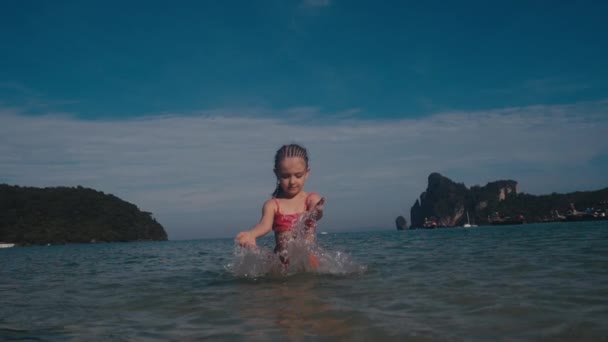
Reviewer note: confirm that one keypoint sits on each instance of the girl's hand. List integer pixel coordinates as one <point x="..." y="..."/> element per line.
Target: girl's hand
<point x="246" y="239"/>
<point x="317" y="210"/>
<point x="315" y="214"/>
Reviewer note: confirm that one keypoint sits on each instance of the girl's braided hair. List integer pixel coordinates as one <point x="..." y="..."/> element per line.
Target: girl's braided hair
<point x="287" y="151"/>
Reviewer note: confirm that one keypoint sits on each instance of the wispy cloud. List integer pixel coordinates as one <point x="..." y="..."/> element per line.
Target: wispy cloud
<point x="544" y="86"/>
<point x="27" y="99"/>
<point x="554" y="85"/>
<point x="208" y="174"/>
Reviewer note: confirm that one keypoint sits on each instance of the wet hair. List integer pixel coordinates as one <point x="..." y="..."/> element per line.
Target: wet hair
<point x="287" y="151"/>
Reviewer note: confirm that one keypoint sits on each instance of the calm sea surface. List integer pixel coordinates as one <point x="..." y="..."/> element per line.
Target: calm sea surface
<point x="530" y="282"/>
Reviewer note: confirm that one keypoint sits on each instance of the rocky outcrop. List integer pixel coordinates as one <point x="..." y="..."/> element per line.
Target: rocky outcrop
<point x="401" y="223"/>
<point x="447" y="202"/>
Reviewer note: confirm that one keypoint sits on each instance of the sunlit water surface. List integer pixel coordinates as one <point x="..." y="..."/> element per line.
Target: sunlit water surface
<point x="524" y="282"/>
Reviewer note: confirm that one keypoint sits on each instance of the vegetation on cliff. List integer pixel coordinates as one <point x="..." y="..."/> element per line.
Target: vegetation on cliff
<point x="61" y="215"/>
<point x="447" y="203"/>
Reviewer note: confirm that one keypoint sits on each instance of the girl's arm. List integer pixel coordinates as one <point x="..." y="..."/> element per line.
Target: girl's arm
<point x="316" y="202"/>
<point x="247" y="238"/>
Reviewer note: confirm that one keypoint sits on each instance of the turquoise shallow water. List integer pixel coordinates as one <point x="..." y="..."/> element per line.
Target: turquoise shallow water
<point x="526" y="282"/>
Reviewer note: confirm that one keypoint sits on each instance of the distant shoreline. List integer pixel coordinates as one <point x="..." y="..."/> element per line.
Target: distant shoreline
<point x="446" y="203"/>
<point x="65" y="215"/>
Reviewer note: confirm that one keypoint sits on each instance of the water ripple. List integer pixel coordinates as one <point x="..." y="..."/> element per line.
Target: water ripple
<point x="527" y="282"/>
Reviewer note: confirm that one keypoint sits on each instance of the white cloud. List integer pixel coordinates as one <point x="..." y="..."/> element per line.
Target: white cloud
<point x="208" y="175"/>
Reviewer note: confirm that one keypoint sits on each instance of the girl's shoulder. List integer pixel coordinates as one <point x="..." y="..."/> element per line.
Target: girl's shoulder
<point x="271" y="204"/>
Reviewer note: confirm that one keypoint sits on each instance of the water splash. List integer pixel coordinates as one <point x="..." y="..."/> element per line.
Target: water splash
<point x="305" y="256"/>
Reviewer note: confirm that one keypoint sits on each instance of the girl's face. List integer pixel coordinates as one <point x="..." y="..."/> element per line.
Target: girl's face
<point x="292" y="174"/>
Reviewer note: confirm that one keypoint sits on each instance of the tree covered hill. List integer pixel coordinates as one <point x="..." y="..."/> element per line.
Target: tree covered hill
<point x="58" y="215"/>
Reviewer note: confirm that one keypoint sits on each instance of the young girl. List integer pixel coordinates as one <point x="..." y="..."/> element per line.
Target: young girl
<point x="288" y="204"/>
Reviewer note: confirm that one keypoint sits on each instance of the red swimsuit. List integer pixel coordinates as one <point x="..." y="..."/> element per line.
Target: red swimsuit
<point x="284" y="223"/>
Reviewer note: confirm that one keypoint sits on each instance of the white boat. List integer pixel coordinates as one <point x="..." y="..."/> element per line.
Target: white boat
<point x="6" y="245"/>
<point x="468" y="224"/>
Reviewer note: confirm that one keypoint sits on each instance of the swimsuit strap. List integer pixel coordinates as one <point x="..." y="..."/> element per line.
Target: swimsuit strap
<point x="278" y="207"/>
<point x="305" y="201"/>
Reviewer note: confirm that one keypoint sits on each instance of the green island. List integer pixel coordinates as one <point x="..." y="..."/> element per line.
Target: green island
<point x="447" y="204"/>
<point x="62" y="215"/>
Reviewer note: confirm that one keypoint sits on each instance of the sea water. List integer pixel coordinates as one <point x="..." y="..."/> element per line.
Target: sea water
<point x="527" y="282"/>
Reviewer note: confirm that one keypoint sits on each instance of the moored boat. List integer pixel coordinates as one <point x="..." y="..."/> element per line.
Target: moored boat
<point x="468" y="224"/>
<point x="498" y="220"/>
<point x="430" y="223"/>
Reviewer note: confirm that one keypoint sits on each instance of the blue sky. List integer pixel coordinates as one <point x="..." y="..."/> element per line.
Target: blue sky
<point x="178" y="107"/>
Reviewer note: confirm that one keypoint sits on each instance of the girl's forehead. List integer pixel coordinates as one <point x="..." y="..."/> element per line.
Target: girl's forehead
<point x="293" y="164"/>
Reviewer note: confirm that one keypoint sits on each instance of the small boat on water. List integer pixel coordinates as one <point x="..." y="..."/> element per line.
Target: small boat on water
<point x="430" y="223"/>
<point x="590" y="214"/>
<point x="468" y="224"/>
<point x="6" y="245"/>
<point x="507" y="220"/>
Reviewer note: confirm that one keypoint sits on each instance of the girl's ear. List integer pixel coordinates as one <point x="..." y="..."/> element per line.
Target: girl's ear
<point x="307" y="174"/>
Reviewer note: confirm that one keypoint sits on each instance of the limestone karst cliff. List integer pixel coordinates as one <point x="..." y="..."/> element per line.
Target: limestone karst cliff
<point x="446" y="203"/>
